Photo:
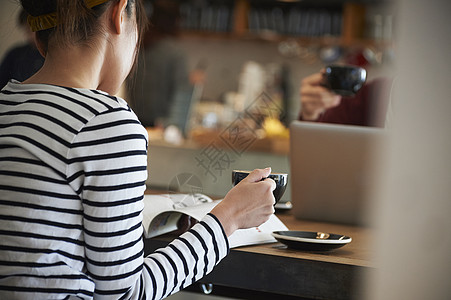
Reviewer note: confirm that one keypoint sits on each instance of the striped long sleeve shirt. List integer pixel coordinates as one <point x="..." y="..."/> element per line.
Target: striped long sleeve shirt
<point x="72" y="178"/>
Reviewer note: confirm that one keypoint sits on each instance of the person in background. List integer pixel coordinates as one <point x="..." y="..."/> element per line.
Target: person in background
<point x="73" y="170"/>
<point x="22" y="61"/>
<point x="162" y="91"/>
<point x="368" y="107"/>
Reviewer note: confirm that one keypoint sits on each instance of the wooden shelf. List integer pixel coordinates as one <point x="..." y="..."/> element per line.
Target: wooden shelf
<point x="352" y="27"/>
<point x="272" y="37"/>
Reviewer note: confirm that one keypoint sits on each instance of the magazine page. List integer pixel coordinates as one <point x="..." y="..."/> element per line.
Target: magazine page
<point x="162" y="212"/>
<point x="163" y="223"/>
<point x="153" y="206"/>
<point x="257" y="235"/>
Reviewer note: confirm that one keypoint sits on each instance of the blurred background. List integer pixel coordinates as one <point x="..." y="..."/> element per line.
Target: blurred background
<point x="244" y="47"/>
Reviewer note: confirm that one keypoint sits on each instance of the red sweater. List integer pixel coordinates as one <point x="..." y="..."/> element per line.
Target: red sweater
<point x="367" y="108"/>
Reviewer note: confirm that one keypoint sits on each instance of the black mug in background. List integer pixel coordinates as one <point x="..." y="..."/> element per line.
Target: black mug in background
<point x="344" y="80"/>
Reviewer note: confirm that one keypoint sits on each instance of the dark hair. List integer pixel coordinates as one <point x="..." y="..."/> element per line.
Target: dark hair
<point x="22" y="18"/>
<point x="76" y="22"/>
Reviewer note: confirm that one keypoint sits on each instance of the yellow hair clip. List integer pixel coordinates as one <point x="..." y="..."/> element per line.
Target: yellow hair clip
<point x="47" y="21"/>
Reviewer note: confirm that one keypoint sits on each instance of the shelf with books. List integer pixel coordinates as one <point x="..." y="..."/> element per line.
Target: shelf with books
<point x="319" y="22"/>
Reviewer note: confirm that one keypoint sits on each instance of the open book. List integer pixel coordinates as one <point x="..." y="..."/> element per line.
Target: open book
<point x="162" y="212"/>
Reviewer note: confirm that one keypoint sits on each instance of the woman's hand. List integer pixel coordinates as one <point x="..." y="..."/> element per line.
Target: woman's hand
<point x="250" y="203"/>
<point x="315" y="98"/>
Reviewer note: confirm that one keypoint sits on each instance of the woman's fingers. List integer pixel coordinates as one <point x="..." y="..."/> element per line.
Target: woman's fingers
<point x="258" y="174"/>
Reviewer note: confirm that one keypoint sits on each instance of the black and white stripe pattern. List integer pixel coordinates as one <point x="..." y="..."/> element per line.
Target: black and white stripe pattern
<point x="72" y="177"/>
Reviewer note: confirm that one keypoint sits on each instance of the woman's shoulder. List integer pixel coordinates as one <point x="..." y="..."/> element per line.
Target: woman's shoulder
<point x="66" y="103"/>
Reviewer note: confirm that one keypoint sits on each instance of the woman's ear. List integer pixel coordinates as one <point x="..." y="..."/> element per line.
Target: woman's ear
<point x="118" y="14"/>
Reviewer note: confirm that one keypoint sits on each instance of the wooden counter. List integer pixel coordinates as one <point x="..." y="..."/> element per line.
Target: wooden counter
<point x="273" y="271"/>
<point x="357" y="253"/>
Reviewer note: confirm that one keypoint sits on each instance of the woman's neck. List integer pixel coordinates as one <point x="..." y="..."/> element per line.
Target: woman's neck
<point x="73" y="66"/>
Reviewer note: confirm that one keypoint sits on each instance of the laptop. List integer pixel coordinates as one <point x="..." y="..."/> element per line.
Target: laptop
<point x="331" y="167"/>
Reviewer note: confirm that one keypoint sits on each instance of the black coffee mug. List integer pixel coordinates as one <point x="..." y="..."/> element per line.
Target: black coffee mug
<point x="344" y="80"/>
<point x="281" y="180"/>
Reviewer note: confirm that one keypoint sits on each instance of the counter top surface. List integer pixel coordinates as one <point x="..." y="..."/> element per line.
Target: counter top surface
<point x="357" y="253"/>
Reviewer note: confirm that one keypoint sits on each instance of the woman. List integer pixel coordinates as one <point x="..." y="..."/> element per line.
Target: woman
<point x="73" y="170"/>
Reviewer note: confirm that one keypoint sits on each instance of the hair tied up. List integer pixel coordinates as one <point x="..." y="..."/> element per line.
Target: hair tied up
<point x="50" y="20"/>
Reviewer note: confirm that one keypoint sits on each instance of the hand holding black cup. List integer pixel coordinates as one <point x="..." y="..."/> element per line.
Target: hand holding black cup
<point x="281" y="180"/>
<point x="344" y="80"/>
